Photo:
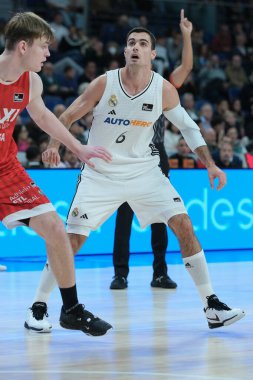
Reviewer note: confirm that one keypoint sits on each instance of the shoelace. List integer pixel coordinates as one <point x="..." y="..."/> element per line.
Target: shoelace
<point x="81" y="312"/>
<point x="39" y="312"/>
<point x="215" y="303"/>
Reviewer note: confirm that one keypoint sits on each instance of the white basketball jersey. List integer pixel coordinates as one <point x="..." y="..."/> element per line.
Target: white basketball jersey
<point x="124" y="125"/>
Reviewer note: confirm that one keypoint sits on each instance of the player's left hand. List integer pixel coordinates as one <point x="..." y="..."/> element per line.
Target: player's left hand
<point x="215" y="172"/>
<point x="51" y="157"/>
<point x="86" y="152"/>
<point x="185" y="24"/>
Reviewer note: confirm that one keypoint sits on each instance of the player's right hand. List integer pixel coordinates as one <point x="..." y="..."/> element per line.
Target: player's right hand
<point x="51" y="157"/>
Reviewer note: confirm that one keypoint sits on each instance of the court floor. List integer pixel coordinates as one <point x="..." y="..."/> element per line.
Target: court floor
<point x="158" y="334"/>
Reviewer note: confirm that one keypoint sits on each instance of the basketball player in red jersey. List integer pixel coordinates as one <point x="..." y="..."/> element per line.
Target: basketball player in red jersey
<point x="27" y="39"/>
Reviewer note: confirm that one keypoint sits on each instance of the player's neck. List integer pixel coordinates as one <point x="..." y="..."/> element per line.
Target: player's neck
<point x="135" y="80"/>
<point x="10" y="68"/>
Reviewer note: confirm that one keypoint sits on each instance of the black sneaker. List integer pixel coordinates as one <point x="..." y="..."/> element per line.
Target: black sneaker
<point x="81" y="319"/>
<point x="218" y="314"/>
<point x="118" y="282"/>
<point x="163" y="282"/>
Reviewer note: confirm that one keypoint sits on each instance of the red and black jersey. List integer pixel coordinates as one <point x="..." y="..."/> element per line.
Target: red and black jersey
<point x="14" y="97"/>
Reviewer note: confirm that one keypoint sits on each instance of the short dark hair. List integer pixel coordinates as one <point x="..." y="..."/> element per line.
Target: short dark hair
<point x="140" y="29"/>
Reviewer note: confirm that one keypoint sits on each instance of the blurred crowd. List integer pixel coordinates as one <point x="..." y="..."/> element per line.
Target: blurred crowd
<point x="218" y="94"/>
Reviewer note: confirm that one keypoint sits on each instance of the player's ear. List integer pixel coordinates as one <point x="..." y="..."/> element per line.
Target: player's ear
<point x="153" y="54"/>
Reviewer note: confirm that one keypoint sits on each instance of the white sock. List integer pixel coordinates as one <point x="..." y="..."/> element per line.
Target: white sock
<point x="197" y="267"/>
<point x="46" y="285"/>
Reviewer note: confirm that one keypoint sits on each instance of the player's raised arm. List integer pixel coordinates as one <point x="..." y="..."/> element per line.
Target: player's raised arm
<point x="179" y="75"/>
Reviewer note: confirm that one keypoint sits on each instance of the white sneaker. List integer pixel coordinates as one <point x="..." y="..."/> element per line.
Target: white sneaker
<point x="218" y="314"/>
<point x="36" y="319"/>
<point x="2" y="267"/>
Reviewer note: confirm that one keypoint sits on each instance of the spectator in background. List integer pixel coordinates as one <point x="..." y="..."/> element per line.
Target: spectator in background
<point x="174" y="47"/>
<point x="212" y="79"/>
<point x="236" y="75"/>
<point x="238" y="145"/>
<point x="249" y="155"/>
<point x="69" y="160"/>
<point x="222" y="41"/>
<point x="218" y="125"/>
<point x="72" y="44"/>
<point x="116" y="31"/>
<point x="188" y="102"/>
<point x="68" y="82"/>
<point x="249" y="123"/>
<point x="59" y="30"/>
<point x="221" y="107"/>
<point x="77" y="131"/>
<point x="231" y="122"/>
<point x="171" y="137"/>
<point x="184" y="158"/>
<point x="246" y="94"/>
<point x="95" y="53"/>
<point x="206" y="115"/>
<point x="210" y="137"/>
<point x="21" y="137"/>
<point x="90" y="72"/>
<point x="161" y="63"/>
<point x="33" y="157"/>
<point x="86" y="122"/>
<point x="50" y="80"/>
<point x="225" y="157"/>
<point x="239" y="113"/>
<point x="59" y="109"/>
<point x="70" y="10"/>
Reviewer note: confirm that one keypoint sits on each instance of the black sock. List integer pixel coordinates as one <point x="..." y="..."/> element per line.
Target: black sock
<point x="69" y="297"/>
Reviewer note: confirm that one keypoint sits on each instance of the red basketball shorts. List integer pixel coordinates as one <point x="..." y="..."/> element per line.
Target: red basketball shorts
<point x="20" y="197"/>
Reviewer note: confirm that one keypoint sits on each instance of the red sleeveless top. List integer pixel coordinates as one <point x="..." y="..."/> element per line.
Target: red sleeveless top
<point x="14" y="97"/>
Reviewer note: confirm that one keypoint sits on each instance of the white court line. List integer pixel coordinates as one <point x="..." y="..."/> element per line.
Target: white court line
<point x="174" y="375"/>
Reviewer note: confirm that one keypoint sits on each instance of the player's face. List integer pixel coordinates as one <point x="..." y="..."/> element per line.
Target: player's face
<point x="138" y="50"/>
<point x="36" y="54"/>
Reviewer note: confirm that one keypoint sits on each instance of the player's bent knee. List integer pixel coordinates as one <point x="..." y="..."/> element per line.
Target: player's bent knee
<point x="76" y="241"/>
<point x="181" y="225"/>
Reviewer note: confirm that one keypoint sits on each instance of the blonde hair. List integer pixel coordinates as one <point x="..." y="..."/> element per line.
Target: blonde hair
<point x="26" y="26"/>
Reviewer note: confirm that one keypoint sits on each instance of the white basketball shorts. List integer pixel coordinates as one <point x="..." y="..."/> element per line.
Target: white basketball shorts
<point x="151" y="196"/>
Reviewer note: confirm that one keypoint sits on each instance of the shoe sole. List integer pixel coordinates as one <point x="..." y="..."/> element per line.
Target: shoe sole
<point x="69" y="327"/>
<point x="227" y="322"/>
<point x="117" y="288"/>
<point x="37" y="330"/>
<point x="163" y="287"/>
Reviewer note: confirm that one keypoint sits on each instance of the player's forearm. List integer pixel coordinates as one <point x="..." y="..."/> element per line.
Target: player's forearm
<point x="205" y="156"/>
<point x="55" y="143"/>
<point x="59" y="133"/>
<point x="187" y="53"/>
<point x="179" y="75"/>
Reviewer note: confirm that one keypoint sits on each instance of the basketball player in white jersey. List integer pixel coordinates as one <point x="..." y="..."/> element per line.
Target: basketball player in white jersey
<point x="126" y="103"/>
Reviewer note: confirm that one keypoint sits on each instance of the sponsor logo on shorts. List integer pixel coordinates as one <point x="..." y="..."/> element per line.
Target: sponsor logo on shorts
<point x="176" y="199"/>
<point x="75" y="212"/>
<point x="113" y="101"/>
<point x="84" y="216"/>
